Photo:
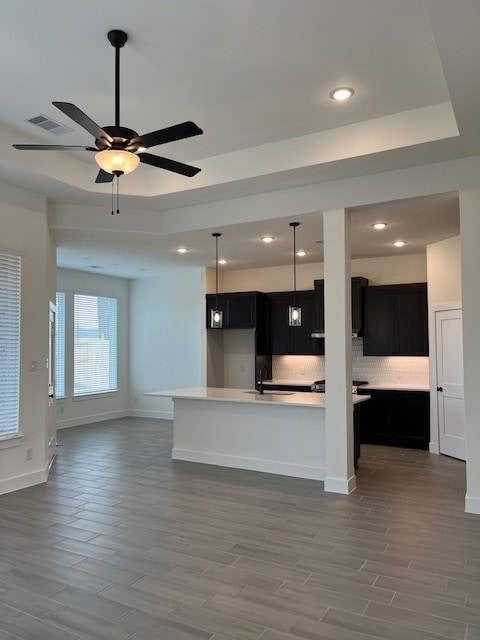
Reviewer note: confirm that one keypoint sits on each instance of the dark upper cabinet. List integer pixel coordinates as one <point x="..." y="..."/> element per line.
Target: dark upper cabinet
<point x="280" y="341"/>
<point x="396" y="320"/>
<point x="239" y="309"/>
<point x="396" y="418"/>
<point x="286" y="340"/>
<point x="358" y="284"/>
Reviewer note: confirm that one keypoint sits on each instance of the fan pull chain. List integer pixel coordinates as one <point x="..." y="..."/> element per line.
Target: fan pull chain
<point x="118" y="207"/>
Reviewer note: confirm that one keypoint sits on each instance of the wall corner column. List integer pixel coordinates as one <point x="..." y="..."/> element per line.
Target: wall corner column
<point x="340" y="472"/>
<point x="470" y="235"/>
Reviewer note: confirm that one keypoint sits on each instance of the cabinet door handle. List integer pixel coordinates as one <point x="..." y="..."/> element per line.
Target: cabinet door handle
<point x="439" y="388"/>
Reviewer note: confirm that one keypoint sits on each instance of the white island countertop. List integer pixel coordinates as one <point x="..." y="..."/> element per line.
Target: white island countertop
<point x="299" y="399"/>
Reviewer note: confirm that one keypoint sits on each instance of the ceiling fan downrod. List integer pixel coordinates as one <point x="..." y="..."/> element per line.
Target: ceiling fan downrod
<point x="117" y="39"/>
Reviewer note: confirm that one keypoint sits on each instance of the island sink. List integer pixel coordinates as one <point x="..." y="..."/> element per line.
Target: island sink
<point x="271" y="393"/>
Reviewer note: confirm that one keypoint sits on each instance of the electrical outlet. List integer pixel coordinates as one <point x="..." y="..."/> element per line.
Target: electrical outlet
<point x="28" y="453"/>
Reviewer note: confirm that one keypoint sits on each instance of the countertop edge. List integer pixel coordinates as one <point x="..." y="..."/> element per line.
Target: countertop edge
<point x="315" y="401"/>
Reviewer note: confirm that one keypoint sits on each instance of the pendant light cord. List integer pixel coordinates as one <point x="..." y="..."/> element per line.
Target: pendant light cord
<point x="216" y="236"/>
<point x="294" y="225"/>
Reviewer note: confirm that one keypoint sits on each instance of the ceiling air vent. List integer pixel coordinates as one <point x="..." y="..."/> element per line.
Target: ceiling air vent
<point x="49" y="125"/>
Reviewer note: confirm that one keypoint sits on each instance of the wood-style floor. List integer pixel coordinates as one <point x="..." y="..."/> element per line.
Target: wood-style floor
<point x="124" y="543"/>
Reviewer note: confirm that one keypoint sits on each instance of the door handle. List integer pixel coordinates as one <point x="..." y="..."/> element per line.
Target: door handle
<point x="439" y="388"/>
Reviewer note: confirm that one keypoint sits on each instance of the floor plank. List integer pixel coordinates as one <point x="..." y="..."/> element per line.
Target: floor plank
<point x="123" y="543"/>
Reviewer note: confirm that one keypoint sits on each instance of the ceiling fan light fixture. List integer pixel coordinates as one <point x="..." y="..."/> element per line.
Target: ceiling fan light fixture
<point x="112" y="160"/>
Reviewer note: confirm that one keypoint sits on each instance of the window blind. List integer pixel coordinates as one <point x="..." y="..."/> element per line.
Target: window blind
<point x="60" y="345"/>
<point x="95" y="344"/>
<point x="10" y="292"/>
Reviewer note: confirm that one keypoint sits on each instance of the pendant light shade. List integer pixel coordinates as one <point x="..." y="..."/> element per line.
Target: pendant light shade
<point x="112" y="160"/>
<point x="216" y="315"/>
<point x="294" y="311"/>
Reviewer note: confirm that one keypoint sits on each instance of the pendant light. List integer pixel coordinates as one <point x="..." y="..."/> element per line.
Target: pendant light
<point x="294" y="312"/>
<point x="216" y="315"/>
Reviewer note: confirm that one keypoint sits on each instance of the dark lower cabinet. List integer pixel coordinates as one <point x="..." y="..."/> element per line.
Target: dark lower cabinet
<point x="357" y="432"/>
<point x="395" y="418"/>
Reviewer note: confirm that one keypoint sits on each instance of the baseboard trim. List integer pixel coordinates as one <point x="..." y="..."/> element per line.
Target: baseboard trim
<point x="433" y="448"/>
<point x="98" y="417"/>
<point x="339" y="485"/>
<point x="143" y="413"/>
<point x="23" y="481"/>
<point x="472" y="505"/>
<point x="251" y="464"/>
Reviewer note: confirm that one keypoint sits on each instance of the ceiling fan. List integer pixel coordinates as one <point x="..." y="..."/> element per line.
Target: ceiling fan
<point x="119" y="150"/>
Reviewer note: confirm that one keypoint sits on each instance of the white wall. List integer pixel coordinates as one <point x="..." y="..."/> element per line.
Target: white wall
<point x="470" y="231"/>
<point x="72" y="412"/>
<point x="444" y="271"/>
<point x="239" y="358"/>
<point x="23" y="225"/>
<point x="389" y="270"/>
<point x="167" y="337"/>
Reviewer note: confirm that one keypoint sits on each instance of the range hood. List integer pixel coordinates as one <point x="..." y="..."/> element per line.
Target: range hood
<point x="358" y="284"/>
<point x="321" y="334"/>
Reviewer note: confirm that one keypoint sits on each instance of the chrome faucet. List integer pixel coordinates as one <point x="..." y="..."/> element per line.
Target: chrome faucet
<point x="260" y="373"/>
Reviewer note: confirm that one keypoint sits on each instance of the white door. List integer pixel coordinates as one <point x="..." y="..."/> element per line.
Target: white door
<point x="451" y="415"/>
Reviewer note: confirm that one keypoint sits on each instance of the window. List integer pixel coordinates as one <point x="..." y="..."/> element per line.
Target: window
<point x="10" y="283"/>
<point x="60" y="345"/>
<point x="95" y="345"/>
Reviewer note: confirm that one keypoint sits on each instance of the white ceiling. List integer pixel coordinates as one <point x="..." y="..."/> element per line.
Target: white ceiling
<point x="256" y="77"/>
<point x="418" y="221"/>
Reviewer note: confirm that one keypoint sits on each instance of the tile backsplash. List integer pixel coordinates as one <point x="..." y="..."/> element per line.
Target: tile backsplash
<point x="375" y="369"/>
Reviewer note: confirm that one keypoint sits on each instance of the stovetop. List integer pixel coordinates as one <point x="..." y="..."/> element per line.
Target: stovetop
<point x="319" y="385"/>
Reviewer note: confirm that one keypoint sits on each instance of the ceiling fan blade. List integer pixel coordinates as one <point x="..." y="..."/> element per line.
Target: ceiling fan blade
<point x="170" y="134"/>
<point x="169" y="165"/>
<point x="51" y="147"/>
<point x="103" y="177"/>
<point x="83" y="120"/>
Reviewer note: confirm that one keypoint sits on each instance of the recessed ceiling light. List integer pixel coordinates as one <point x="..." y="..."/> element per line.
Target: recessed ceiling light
<point x="222" y="261"/>
<point x="268" y="238"/>
<point x="399" y="243"/>
<point x="182" y="250"/>
<point x="301" y="253"/>
<point x="379" y="225"/>
<point x="341" y="93"/>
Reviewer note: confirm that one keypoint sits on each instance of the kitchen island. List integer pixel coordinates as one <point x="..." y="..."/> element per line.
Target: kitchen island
<point x="274" y="433"/>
